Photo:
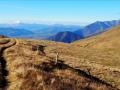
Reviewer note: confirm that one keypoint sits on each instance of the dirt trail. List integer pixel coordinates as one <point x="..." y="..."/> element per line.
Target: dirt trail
<point x="4" y="44"/>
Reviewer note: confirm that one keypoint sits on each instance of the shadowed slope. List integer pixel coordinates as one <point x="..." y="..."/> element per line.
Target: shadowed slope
<point x="66" y="37"/>
<point x="4" y="43"/>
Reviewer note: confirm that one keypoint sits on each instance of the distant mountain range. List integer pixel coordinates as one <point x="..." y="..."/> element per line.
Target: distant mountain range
<point x="40" y="31"/>
<point x="12" y="32"/>
<point x="56" y="32"/>
<point x="97" y="27"/>
<point x="89" y="30"/>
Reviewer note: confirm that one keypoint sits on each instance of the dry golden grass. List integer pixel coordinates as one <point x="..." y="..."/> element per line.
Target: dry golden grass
<point x="104" y="50"/>
<point x="36" y="72"/>
<point x="97" y="56"/>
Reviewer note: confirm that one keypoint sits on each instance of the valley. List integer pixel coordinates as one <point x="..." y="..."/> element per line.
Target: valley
<point x="56" y="32"/>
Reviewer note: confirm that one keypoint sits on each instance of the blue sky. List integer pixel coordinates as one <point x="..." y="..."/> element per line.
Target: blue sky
<point x="59" y="11"/>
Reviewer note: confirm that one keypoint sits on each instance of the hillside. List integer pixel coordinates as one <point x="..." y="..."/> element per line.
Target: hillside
<point x="81" y="65"/>
<point x="66" y="37"/>
<point x="107" y="40"/>
<point x="31" y="71"/>
<point x="103" y="50"/>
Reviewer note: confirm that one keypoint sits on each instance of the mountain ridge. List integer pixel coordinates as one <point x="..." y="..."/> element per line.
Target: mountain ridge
<point x="90" y="30"/>
<point x="98" y="27"/>
<point x="42" y="31"/>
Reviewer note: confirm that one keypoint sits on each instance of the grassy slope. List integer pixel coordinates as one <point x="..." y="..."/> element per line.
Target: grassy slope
<point x="29" y="71"/>
<point x="98" y="56"/>
<point x="104" y="50"/>
<point x="106" y="47"/>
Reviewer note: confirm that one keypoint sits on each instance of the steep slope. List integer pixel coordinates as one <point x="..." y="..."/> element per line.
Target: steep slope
<point x="97" y="27"/>
<point x="66" y="37"/>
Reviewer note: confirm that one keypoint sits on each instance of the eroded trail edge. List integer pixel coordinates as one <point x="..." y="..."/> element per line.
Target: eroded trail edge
<point x="4" y="44"/>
